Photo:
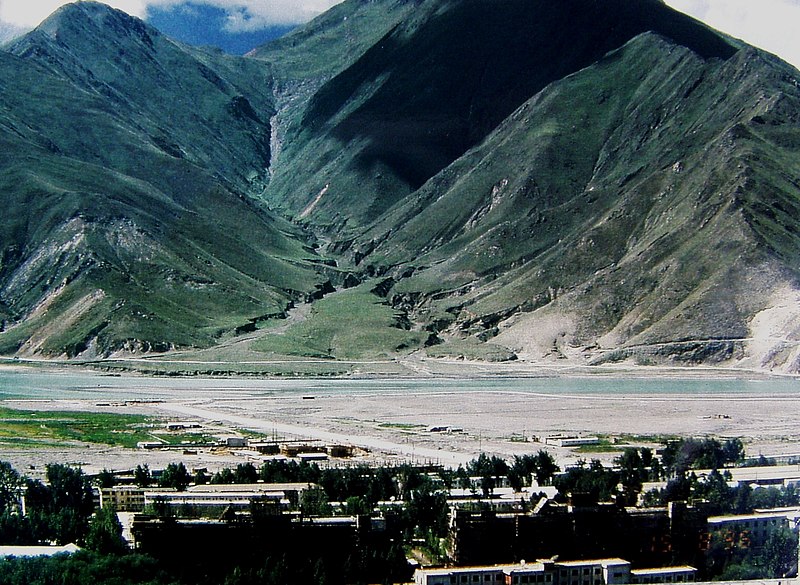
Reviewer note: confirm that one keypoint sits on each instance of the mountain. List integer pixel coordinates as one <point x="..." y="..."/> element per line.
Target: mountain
<point x="127" y="163"/>
<point x="589" y="180"/>
<point x="583" y="181"/>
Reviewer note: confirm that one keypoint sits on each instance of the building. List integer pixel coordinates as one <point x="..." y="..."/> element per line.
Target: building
<point x="37" y="551"/>
<point x="746" y="531"/>
<point x="766" y="476"/>
<point x="590" y="572"/>
<point x="229" y="495"/>
<point x="234" y="442"/>
<point x="124" y="498"/>
<point x="647" y="538"/>
<point x="570" y="441"/>
<point x="683" y="574"/>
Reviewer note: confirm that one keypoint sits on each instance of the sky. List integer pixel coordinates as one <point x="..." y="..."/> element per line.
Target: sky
<point x="238" y="25"/>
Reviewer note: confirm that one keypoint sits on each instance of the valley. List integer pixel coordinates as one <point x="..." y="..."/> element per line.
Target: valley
<point x="575" y="185"/>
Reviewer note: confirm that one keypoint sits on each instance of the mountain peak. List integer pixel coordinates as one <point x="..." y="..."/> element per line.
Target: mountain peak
<point x="88" y="17"/>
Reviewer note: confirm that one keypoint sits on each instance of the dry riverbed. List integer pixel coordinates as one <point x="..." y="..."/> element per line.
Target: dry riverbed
<point x="394" y="426"/>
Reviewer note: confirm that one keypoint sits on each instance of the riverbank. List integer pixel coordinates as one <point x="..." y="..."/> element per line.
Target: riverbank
<point x="393" y="418"/>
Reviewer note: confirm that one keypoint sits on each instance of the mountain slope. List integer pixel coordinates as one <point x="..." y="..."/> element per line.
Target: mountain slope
<point x="126" y="224"/>
<point x="637" y="202"/>
<point x="633" y="203"/>
<point x="588" y="180"/>
<point x="437" y="84"/>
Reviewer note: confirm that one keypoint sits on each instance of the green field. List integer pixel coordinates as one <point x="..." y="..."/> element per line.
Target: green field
<point x="53" y="428"/>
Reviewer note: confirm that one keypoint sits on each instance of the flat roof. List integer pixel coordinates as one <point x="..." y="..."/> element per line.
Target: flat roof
<point x="745" y="517"/>
<point x="248" y="487"/>
<point x="773" y="472"/>
<point x="663" y="570"/>
<point x="36" y="551"/>
<point x="611" y="561"/>
<point x="484" y="568"/>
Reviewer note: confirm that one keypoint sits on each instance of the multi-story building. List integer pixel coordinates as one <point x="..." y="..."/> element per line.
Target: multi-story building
<point x="124" y="498"/>
<point x="589" y="572"/>
<point x="229" y="495"/>
<point x="746" y="531"/>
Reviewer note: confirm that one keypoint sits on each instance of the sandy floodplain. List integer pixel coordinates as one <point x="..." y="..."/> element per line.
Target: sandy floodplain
<point x="392" y="422"/>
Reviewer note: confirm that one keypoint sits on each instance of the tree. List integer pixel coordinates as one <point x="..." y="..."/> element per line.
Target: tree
<point x="596" y="482"/>
<point x="105" y="533"/>
<point x="106" y="479"/>
<point x="223" y="476"/>
<point x="314" y="502"/>
<point x="70" y="503"/>
<point x="779" y="555"/>
<point x="69" y="488"/>
<point x="428" y="509"/>
<point x="546" y="467"/>
<point x="356" y="506"/>
<point x="141" y="475"/>
<point x="175" y="476"/>
<point x="733" y="450"/>
<point x="10" y="486"/>
<point x="632" y="472"/>
<point x="245" y="473"/>
<point x="200" y="477"/>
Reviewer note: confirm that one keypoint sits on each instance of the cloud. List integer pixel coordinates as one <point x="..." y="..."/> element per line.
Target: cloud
<point x="242" y="15"/>
<point x="29" y="13"/>
<point x="768" y="24"/>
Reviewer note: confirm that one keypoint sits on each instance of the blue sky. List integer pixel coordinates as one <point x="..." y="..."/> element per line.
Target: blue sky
<point x="238" y="25"/>
<point x="200" y="24"/>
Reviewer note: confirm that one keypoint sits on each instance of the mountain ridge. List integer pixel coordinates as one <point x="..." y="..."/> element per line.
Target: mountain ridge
<point x="590" y="182"/>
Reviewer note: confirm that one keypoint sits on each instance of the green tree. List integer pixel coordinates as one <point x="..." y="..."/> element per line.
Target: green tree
<point x="546" y="467"/>
<point x="175" y="476"/>
<point x="11" y="484"/>
<point x="245" y="473"/>
<point x="314" y="502"/>
<point x="105" y="533"/>
<point x="142" y="476"/>
<point x="106" y="479"/>
<point x="70" y="503"/>
<point x="357" y="505"/>
<point x="632" y="472"/>
<point x="779" y="555"/>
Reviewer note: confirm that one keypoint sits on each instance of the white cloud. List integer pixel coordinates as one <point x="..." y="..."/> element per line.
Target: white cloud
<point x="246" y="16"/>
<point x="769" y="24"/>
<point x="243" y="15"/>
<point x="29" y="13"/>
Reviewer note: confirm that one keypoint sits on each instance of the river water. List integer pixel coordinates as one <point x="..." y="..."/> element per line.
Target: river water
<point x="52" y="385"/>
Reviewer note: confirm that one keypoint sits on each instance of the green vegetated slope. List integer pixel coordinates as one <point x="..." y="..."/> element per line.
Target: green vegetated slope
<point x="622" y="206"/>
<point x="125" y="224"/>
<point x="439" y="83"/>
<point x="564" y="178"/>
<point x="581" y="179"/>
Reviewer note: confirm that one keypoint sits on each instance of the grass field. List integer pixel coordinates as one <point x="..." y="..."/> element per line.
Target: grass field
<point x="39" y="428"/>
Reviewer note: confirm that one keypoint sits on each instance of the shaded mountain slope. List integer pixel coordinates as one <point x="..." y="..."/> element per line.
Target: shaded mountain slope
<point x="125" y="223"/>
<point x="438" y="83"/>
<point x="590" y="178"/>
<point x="209" y="109"/>
<point x="514" y="178"/>
<point x="644" y="200"/>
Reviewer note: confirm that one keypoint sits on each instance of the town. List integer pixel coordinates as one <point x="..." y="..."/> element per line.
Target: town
<point x="692" y="510"/>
